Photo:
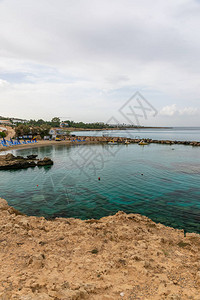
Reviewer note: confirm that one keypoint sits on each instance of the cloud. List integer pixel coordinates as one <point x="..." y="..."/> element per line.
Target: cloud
<point x="169" y="110"/>
<point x="3" y="83"/>
<point x="172" y="111"/>
<point x="99" y="51"/>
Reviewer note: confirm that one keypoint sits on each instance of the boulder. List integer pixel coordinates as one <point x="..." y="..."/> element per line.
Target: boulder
<point x="9" y="157"/>
<point x="3" y="204"/>
<point x="10" y="162"/>
<point x="45" y="162"/>
<point x="17" y="164"/>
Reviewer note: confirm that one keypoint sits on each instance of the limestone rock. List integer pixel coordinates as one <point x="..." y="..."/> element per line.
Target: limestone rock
<point x="117" y="257"/>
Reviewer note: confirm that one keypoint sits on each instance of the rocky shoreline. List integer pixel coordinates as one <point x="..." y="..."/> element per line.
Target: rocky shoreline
<point x="136" y="140"/>
<point x="125" y="256"/>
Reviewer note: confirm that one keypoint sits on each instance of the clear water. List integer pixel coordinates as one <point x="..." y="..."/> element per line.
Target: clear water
<point x="177" y="133"/>
<point x="167" y="192"/>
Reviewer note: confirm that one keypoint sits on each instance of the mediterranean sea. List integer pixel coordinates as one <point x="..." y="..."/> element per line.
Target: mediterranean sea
<point x="161" y="182"/>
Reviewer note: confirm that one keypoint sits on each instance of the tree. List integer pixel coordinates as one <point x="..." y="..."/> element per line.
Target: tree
<point x="22" y="130"/>
<point x="2" y="134"/>
<point x="35" y="130"/>
<point x="55" y="120"/>
<point x="44" y="130"/>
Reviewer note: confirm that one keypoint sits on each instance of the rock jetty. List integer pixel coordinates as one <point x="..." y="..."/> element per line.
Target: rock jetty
<point x="11" y="162"/>
<point x="125" y="256"/>
<point x="105" y="139"/>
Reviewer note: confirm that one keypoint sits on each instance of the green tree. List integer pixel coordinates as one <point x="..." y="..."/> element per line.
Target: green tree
<point x="22" y="130"/>
<point x="55" y="122"/>
<point x="44" y="130"/>
<point x="2" y="134"/>
<point x="35" y="130"/>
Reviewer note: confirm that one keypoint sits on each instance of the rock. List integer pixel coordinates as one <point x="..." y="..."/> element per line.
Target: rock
<point x="9" y="156"/>
<point x="10" y="162"/>
<point x="37" y="261"/>
<point x="17" y="164"/>
<point x="198" y="277"/>
<point x="32" y="156"/>
<point x="3" y="204"/>
<point x="54" y="260"/>
<point x="45" y="162"/>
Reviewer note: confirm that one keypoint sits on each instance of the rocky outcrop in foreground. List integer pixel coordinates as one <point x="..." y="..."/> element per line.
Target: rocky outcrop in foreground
<point x="116" y="257"/>
<point x="10" y="162"/>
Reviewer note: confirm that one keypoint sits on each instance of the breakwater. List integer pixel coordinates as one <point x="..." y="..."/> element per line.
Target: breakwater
<point x="124" y="140"/>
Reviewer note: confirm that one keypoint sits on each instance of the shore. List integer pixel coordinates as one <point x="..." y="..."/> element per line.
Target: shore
<point x="93" y="139"/>
<point x="125" y="256"/>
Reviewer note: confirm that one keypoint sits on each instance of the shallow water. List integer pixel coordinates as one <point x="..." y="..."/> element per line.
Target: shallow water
<point x="167" y="192"/>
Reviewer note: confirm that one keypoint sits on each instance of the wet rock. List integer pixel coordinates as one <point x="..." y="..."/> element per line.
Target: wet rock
<point x="10" y="162"/>
<point x="32" y="156"/>
<point x="9" y="156"/>
<point x="45" y="162"/>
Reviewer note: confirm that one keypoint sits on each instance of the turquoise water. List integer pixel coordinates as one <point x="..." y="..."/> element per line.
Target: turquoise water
<point x="176" y="133"/>
<point x="167" y="192"/>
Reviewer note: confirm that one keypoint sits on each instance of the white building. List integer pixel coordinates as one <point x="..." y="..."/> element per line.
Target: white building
<point x="15" y="121"/>
<point x="56" y="132"/>
<point x="5" y="122"/>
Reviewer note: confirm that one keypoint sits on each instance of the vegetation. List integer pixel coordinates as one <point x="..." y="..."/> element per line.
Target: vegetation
<point x="32" y="130"/>
<point x="95" y="251"/>
<point x="97" y="125"/>
<point x="182" y="244"/>
<point x="55" y="122"/>
<point x="2" y="134"/>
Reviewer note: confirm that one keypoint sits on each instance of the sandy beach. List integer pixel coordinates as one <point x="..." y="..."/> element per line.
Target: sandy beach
<point x="35" y="145"/>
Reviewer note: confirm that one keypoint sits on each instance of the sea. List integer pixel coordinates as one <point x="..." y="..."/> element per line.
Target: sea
<point x="175" y="133"/>
<point x="86" y="181"/>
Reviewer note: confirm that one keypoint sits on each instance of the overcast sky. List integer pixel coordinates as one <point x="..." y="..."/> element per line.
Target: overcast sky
<point x="83" y="59"/>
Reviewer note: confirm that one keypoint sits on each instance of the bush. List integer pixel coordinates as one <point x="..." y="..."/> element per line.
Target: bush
<point x="2" y="134"/>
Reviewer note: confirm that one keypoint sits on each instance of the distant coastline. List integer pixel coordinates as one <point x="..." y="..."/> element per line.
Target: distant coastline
<point x="116" y="128"/>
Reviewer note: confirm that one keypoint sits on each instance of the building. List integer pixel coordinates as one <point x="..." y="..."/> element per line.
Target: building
<point x="3" y="129"/>
<point x="54" y="132"/>
<point x="5" y="122"/>
<point x="64" y="124"/>
<point x="15" y="121"/>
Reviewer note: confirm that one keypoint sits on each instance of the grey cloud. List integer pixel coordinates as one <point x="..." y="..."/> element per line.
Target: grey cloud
<point x="94" y="46"/>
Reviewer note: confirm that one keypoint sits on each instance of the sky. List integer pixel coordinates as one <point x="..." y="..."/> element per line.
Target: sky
<point x="101" y="60"/>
